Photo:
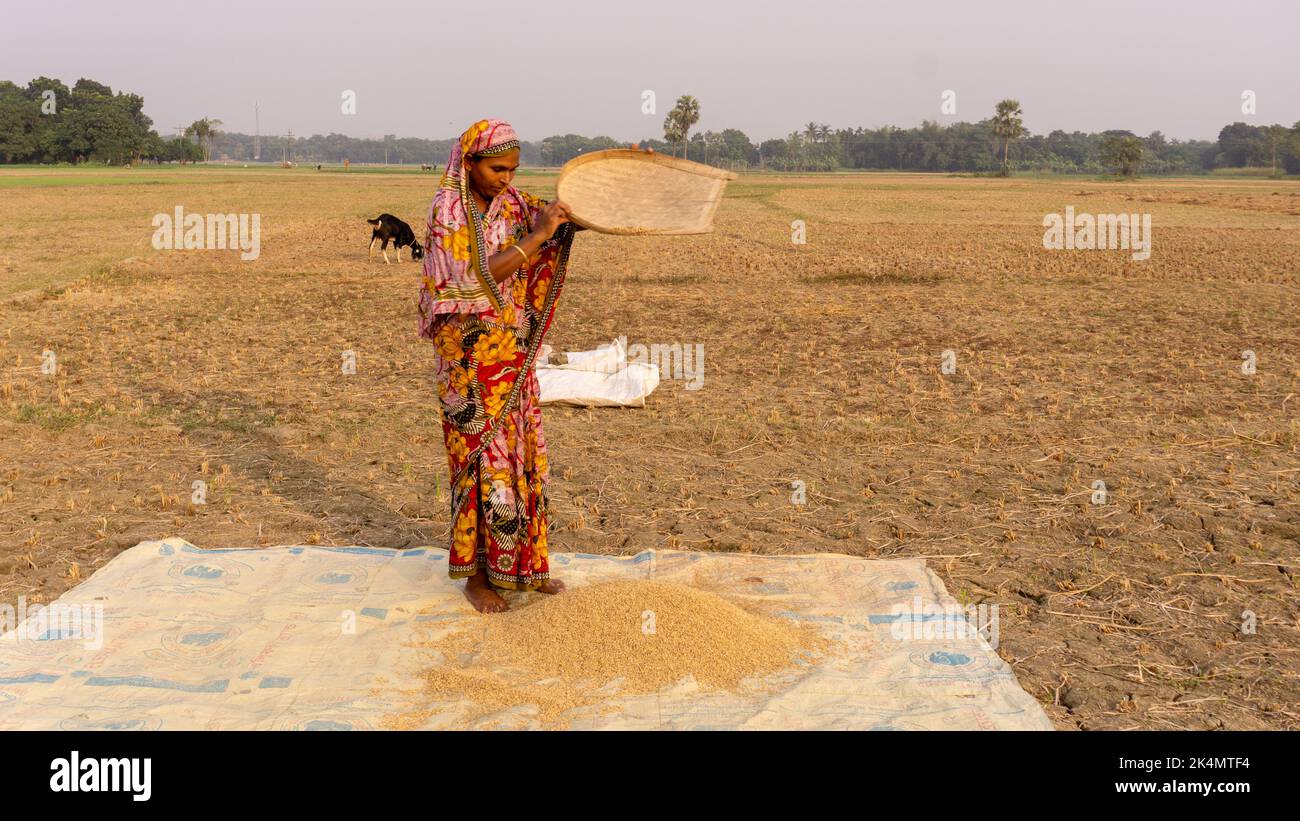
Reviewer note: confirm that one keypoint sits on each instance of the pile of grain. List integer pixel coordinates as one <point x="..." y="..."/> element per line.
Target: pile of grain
<point x="642" y="636"/>
<point x="593" y="635"/>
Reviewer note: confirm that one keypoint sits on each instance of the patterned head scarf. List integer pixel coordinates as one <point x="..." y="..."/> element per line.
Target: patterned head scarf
<point x="461" y="282"/>
<point x="484" y="138"/>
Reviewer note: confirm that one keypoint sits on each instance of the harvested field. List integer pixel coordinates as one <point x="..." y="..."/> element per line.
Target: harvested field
<point x="822" y="367"/>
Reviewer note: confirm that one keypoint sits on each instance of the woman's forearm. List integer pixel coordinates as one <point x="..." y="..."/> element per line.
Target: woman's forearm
<point x="505" y="262"/>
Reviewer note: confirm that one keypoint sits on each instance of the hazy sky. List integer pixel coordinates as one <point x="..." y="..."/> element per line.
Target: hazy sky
<point x="428" y="69"/>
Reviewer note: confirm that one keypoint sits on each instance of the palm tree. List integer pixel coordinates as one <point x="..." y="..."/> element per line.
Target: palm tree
<point x="710" y="139"/>
<point x="823" y="132"/>
<point x="1275" y="134"/>
<point x="688" y="114"/>
<point x="797" y="152"/>
<point x="205" y="130"/>
<point x="1008" y="125"/>
<point x="674" y="133"/>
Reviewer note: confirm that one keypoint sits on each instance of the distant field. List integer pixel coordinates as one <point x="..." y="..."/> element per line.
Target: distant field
<point x="822" y="366"/>
<point x="25" y="176"/>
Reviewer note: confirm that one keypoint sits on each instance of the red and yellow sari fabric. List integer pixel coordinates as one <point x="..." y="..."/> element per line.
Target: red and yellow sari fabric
<point x="486" y="338"/>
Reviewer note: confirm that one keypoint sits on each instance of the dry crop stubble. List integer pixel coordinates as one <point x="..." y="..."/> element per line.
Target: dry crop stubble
<point x="822" y="365"/>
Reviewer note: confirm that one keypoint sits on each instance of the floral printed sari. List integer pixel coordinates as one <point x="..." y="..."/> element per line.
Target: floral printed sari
<point x="487" y="337"/>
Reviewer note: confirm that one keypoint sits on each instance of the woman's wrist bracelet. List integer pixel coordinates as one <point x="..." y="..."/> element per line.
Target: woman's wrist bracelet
<point x="522" y="253"/>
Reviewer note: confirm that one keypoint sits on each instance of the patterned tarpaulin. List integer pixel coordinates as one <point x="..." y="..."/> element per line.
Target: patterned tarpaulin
<point x="319" y="638"/>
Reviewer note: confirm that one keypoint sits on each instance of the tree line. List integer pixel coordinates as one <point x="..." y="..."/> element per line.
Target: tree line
<point x="999" y="144"/>
<point x="48" y="122"/>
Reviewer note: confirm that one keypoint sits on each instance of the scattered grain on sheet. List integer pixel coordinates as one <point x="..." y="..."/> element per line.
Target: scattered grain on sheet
<point x="635" y="637"/>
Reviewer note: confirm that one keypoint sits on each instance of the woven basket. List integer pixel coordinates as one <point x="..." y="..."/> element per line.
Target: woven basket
<point x="624" y="191"/>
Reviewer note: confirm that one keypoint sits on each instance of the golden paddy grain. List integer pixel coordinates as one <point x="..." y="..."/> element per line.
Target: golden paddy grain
<point x="635" y="637"/>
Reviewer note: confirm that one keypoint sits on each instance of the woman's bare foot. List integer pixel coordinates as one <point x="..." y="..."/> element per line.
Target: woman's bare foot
<point x="551" y="586"/>
<point x="480" y="594"/>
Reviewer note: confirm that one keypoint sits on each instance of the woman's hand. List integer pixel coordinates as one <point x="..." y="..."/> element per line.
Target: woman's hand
<point x="505" y="262"/>
<point x="550" y="218"/>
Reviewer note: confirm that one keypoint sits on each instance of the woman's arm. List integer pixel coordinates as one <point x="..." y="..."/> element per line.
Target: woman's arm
<point x="505" y="262"/>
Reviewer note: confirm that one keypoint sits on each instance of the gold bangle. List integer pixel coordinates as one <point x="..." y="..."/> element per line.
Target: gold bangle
<point x="527" y="261"/>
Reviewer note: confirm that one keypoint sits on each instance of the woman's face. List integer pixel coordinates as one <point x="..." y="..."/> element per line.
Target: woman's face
<point x="489" y="176"/>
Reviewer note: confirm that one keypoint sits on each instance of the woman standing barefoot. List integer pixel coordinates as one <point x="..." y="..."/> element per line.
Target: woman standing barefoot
<point x="493" y="270"/>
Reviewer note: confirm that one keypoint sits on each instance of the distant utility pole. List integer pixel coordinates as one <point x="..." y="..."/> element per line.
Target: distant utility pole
<point x="285" y="153"/>
<point x="257" y="133"/>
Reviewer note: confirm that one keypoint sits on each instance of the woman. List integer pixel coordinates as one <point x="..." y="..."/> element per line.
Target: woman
<point x="493" y="268"/>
